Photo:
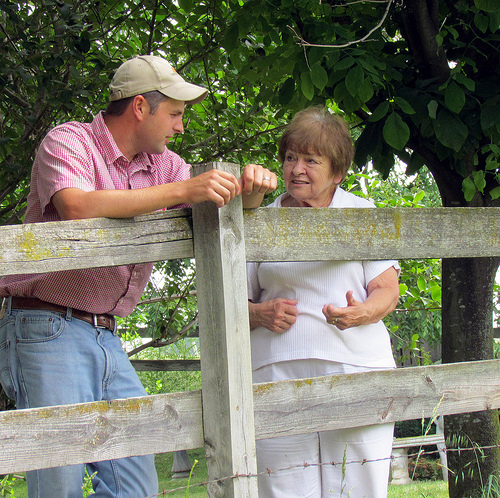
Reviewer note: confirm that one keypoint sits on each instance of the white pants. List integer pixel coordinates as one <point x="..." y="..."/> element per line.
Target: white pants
<point x="285" y="456"/>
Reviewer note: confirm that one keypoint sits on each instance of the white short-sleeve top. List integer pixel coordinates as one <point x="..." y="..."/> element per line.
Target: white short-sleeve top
<point x="315" y="284"/>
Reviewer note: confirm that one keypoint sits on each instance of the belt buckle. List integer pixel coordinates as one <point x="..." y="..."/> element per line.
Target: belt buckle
<point x="94" y="322"/>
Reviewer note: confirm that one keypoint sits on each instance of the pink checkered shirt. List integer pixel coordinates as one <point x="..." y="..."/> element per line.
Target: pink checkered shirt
<point x="85" y="156"/>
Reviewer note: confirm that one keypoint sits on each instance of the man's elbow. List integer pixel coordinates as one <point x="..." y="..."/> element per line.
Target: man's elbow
<point x="71" y="204"/>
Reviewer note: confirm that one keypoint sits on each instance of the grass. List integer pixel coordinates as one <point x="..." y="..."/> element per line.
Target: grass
<point x="178" y="487"/>
<point x="164" y="468"/>
<point x="419" y="489"/>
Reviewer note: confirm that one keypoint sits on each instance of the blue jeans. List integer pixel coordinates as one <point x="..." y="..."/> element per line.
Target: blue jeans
<point x="49" y="359"/>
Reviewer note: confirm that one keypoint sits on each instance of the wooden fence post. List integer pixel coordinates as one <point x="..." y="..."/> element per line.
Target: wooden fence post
<point x="228" y="417"/>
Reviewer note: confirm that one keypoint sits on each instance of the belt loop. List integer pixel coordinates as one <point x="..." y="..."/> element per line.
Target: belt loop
<point x="69" y="314"/>
<point x="8" y="304"/>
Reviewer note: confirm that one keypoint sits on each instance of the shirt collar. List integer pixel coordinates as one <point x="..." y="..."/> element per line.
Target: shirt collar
<point x="110" y="151"/>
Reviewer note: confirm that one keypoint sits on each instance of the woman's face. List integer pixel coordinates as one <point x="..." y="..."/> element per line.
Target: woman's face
<point x="309" y="179"/>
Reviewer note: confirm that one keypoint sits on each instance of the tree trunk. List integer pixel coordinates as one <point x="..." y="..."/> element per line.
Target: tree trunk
<point x="467" y="335"/>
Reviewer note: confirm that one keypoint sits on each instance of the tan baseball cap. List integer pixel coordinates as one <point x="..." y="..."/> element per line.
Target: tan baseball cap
<point x="146" y="73"/>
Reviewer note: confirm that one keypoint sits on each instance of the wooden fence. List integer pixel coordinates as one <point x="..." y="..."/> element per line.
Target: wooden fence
<point x="229" y="413"/>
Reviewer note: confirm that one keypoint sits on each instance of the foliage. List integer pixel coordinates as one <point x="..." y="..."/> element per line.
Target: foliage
<point x="56" y="60"/>
<point x="415" y="325"/>
<point x="7" y="483"/>
<point x="417" y="79"/>
<point x="166" y="382"/>
<point x="492" y="487"/>
<point x="87" y="488"/>
<point x="425" y="469"/>
<point x="420" y="489"/>
<point x="159" y="315"/>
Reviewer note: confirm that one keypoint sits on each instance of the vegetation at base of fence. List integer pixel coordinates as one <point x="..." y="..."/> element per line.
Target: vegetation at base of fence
<point x="419" y="489"/>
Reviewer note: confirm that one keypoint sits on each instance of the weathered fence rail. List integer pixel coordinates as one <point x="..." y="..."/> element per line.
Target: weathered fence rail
<point x="226" y="415"/>
<point x="271" y="234"/>
<point x="169" y="422"/>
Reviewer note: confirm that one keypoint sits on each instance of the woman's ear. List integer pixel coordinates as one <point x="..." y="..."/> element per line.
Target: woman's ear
<point x="338" y="179"/>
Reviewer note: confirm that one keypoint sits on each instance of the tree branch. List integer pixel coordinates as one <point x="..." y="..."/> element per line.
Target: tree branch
<point x="421" y="23"/>
<point x="305" y="43"/>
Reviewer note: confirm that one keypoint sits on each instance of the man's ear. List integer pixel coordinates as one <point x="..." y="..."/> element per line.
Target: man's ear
<point x="140" y="107"/>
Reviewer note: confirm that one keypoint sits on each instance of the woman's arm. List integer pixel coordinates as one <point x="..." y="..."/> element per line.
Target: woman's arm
<point x="383" y="295"/>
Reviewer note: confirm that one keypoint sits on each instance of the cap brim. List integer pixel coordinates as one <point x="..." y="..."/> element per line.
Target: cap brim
<point x="187" y="92"/>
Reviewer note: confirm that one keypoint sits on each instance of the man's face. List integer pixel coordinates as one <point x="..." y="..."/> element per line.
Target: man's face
<point x="160" y="127"/>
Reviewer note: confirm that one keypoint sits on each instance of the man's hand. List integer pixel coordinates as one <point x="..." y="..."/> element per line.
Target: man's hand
<point x="255" y="181"/>
<point x="277" y="315"/>
<point x="215" y="185"/>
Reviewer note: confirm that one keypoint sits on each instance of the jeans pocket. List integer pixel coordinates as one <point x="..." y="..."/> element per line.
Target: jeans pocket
<point x="5" y="371"/>
<point x="35" y="327"/>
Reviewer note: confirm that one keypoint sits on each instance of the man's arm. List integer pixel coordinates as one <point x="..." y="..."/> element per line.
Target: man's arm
<point x="217" y="186"/>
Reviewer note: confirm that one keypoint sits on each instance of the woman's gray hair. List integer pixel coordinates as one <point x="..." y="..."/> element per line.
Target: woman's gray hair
<point x="316" y="130"/>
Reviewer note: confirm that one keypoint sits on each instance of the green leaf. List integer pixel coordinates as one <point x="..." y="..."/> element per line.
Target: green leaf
<point x="319" y="76"/>
<point x="186" y="5"/>
<point x="418" y="196"/>
<point x="286" y="92"/>
<point x="487" y="5"/>
<point x="468" y="188"/>
<point x="432" y="107"/>
<point x="454" y="97"/>
<point x="396" y="132"/>
<point x="404" y="105"/>
<point x="367" y="143"/>
<point x="482" y="22"/>
<point x="450" y="130"/>
<point x="379" y="112"/>
<point x="479" y="180"/>
<point x="354" y="79"/>
<point x="436" y="293"/>
<point x="421" y="284"/>
<point x="466" y="82"/>
<point x="416" y="162"/>
<point x="307" y="86"/>
<point x="495" y="193"/>
<point x="494" y="21"/>
<point x="490" y="114"/>
<point x="344" y="64"/>
<point x="366" y="90"/>
<point x="232" y="37"/>
<point x="340" y="92"/>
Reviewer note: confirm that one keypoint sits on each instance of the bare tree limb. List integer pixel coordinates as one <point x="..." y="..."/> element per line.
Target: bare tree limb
<point x="305" y="43"/>
<point x="159" y="343"/>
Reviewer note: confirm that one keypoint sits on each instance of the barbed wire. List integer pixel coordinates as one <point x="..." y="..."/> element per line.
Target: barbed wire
<point x="364" y="461"/>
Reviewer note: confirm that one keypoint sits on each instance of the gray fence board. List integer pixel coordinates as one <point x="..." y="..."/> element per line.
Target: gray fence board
<point x="170" y="422"/>
<point x="282" y="234"/>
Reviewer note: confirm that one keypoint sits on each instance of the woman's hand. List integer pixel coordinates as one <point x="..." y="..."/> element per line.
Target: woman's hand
<point x="277" y="315"/>
<point x="255" y="181"/>
<point x="383" y="295"/>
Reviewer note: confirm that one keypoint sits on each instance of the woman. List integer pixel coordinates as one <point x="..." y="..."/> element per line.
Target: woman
<point x="309" y="319"/>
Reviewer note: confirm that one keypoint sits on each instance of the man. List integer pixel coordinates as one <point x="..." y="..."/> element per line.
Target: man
<point x="57" y="338"/>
